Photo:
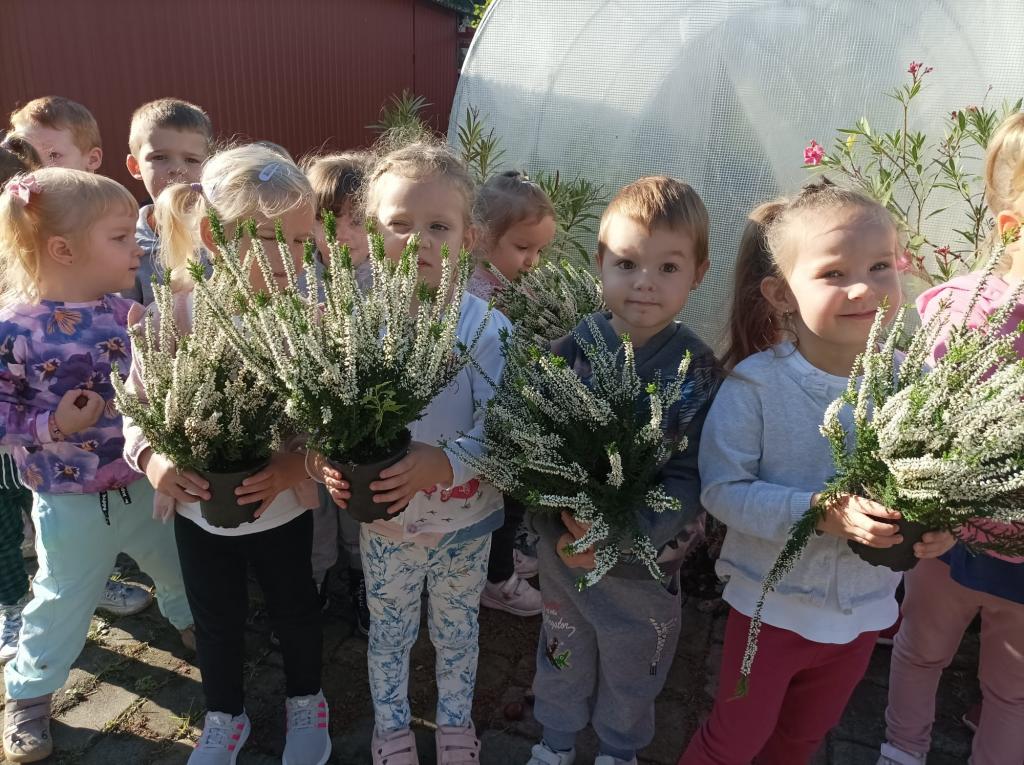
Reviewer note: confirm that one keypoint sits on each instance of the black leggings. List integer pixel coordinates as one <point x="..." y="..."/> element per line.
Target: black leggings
<point x="214" y="568"/>
<point x="501" y="565"/>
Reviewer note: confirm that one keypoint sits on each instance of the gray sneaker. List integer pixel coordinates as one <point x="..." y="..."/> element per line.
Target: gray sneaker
<point x="10" y="628"/>
<point x="892" y="755"/>
<point x="123" y="599"/>
<point x="223" y="738"/>
<point x="27" y="729"/>
<point x="308" y="740"/>
<point x="542" y="754"/>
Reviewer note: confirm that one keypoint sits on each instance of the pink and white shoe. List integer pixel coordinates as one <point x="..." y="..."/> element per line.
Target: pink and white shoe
<point x="514" y="595"/>
<point x="526" y="566"/>
<point x="223" y="738"/>
<point x="457" y="745"/>
<point x="395" y="748"/>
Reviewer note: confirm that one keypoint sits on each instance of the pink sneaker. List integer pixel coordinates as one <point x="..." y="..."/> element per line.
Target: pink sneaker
<point x="514" y="595"/>
<point x="457" y="745"/>
<point x="526" y="566"/>
<point x="395" y="748"/>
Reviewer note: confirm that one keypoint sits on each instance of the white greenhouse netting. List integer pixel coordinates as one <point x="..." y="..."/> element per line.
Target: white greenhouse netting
<point x="723" y="94"/>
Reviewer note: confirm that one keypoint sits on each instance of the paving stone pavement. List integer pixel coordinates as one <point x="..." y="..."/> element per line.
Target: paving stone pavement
<point x="134" y="698"/>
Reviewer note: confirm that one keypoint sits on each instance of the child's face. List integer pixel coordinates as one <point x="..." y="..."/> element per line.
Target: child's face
<point x="518" y="249"/>
<point x="298" y="226"/>
<point x="106" y="257"/>
<point x="843" y="267"/>
<point x="168" y="156"/>
<point x="350" y="230"/>
<point x="57" y="148"/>
<point x="431" y="207"/>
<point x="647" y="276"/>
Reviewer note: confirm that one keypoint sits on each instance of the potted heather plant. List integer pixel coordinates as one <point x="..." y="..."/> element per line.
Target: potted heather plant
<point x="944" y="446"/>
<point x="557" y="445"/>
<point x="199" y="405"/>
<point x="354" y="370"/>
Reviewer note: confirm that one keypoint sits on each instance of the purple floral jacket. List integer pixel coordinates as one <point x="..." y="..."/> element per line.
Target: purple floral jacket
<point x="46" y="350"/>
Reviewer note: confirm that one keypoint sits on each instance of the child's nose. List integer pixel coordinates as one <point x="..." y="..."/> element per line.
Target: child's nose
<point x="857" y="290"/>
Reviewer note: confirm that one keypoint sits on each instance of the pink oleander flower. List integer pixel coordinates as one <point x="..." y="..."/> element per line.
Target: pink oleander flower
<point x="814" y="153"/>
<point x="918" y="67"/>
<point x="904" y="262"/>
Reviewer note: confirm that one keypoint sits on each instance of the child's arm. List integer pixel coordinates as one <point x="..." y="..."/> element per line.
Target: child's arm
<point x="22" y="424"/>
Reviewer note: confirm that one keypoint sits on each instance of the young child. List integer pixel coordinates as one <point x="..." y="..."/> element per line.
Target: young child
<point x="168" y="142"/>
<point x="943" y="596"/>
<point x="604" y="654"/>
<point x="63" y="132"/>
<point x="763" y="462"/>
<point x="424" y="189"/>
<point x="337" y="181"/>
<point x="66" y="243"/>
<point x="247" y="182"/>
<point x="518" y="222"/>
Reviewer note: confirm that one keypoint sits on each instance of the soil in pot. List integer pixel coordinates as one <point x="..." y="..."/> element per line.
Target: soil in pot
<point x="222" y="509"/>
<point x="361" y="474"/>
<point x="898" y="557"/>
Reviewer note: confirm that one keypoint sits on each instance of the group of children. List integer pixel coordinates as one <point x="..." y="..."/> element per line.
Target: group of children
<point x="77" y="257"/>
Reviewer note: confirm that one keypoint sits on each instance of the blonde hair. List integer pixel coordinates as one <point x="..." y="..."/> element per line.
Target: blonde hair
<point x="423" y="160"/>
<point x="660" y="201"/>
<point x="64" y="203"/>
<point x="337" y="179"/>
<point x="238" y="184"/>
<point x="1004" y="166"/>
<point x="59" y="113"/>
<point x="170" y="113"/>
<point x="510" y="198"/>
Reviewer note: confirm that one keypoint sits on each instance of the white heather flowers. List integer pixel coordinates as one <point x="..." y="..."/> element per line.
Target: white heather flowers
<point x="594" y="449"/>
<point x="354" y="366"/>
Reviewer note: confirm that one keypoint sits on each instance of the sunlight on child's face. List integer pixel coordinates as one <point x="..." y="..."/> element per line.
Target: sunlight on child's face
<point x="298" y="225"/>
<point x="517" y="251"/>
<point x="168" y="156"/>
<point x="57" y="148"/>
<point x="351" y="230"/>
<point x="107" y="256"/>
<point x="431" y="207"/>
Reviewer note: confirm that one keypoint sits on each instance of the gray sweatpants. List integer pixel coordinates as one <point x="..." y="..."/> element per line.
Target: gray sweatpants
<point x="604" y="653"/>
<point x="327" y="518"/>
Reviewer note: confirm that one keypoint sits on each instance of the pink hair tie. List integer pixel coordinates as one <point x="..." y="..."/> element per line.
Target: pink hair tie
<point x="21" y="187"/>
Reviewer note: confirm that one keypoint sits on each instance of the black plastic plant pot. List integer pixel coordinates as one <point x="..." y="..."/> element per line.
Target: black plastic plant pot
<point x="222" y="509"/>
<point x="360" y="475"/>
<point x="898" y="557"/>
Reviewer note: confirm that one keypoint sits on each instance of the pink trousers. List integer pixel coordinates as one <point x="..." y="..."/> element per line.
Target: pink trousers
<point x="936" y="611"/>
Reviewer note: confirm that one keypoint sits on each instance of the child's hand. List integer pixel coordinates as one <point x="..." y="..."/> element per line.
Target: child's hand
<point x="73" y="414"/>
<point x="424" y="466"/>
<point x="182" y="485"/>
<point x="575" y="530"/>
<point x="852" y="517"/>
<point x="283" y="472"/>
<point x="933" y="544"/>
<point x="335" y="482"/>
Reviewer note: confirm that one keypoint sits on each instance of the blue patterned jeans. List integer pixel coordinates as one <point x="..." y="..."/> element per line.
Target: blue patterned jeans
<point x="395" y="572"/>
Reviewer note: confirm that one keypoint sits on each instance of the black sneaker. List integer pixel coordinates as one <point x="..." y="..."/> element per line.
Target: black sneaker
<point x="357" y="591"/>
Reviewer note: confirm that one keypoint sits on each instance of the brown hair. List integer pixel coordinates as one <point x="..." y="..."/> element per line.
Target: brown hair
<point x="753" y="325"/>
<point x="419" y="161"/>
<point x="63" y="203"/>
<point x="170" y="113"/>
<point x="59" y="113"/>
<point x="510" y="198"/>
<point x="16" y="156"/>
<point x="337" y="179"/>
<point x="659" y="200"/>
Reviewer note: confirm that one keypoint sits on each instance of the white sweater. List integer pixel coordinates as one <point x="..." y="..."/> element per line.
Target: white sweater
<point x="762" y="457"/>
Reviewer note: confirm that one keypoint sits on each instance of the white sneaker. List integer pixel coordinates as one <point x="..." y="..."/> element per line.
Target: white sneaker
<point x="607" y="759"/>
<point x="223" y="737"/>
<point x="123" y="599"/>
<point x="526" y="566"/>
<point x="892" y="755"/>
<point x="514" y="595"/>
<point x="10" y="628"/>
<point x="307" y="740"/>
<point x="541" y="754"/>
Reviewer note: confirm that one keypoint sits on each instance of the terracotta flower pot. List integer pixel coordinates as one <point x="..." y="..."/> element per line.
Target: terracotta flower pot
<point x="361" y="474"/>
<point x="222" y="509"/>
<point x="898" y="557"/>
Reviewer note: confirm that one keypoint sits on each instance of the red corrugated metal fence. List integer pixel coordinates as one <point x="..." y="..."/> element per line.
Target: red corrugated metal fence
<point x="304" y="73"/>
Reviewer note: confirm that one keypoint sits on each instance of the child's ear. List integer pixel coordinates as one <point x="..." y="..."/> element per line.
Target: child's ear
<point x="470" y="238"/>
<point x="777" y="293"/>
<point x="700" y="272"/>
<point x="58" y="248"/>
<point x="1007" y="220"/>
<point x="93" y="158"/>
<point x="206" y="234"/>
<point x="133" y="167"/>
<point x="599" y="259"/>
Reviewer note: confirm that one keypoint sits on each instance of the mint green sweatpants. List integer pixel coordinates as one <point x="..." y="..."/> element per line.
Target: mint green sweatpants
<point x="77" y="550"/>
